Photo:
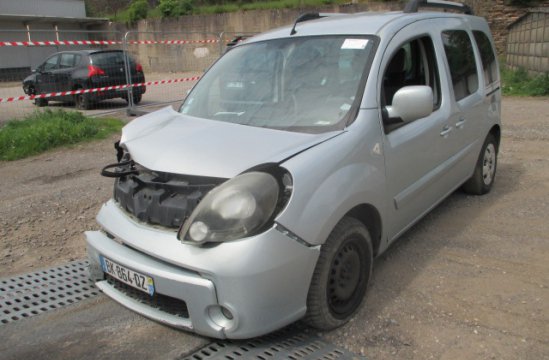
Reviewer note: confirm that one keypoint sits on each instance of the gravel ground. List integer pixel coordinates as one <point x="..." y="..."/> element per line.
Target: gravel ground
<point x="470" y="281"/>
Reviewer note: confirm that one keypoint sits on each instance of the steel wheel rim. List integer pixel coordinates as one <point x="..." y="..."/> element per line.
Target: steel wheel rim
<point x="489" y="164"/>
<point x="346" y="278"/>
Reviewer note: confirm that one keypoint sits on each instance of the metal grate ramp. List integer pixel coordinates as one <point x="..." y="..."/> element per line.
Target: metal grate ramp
<point x="292" y="343"/>
<point x="31" y="294"/>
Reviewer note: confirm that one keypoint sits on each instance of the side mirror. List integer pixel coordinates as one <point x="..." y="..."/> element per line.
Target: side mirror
<point x="411" y="103"/>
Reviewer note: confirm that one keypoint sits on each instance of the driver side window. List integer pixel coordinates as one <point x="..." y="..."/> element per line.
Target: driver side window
<point x="51" y="63"/>
<point x="414" y="63"/>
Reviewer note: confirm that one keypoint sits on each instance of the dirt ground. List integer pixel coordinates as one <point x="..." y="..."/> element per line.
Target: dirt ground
<point x="470" y="281"/>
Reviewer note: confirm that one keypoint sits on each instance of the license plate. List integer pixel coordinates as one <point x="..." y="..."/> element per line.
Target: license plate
<point x="127" y="276"/>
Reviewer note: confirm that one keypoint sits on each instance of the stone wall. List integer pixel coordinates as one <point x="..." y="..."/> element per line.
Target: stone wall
<point x="500" y="16"/>
<point x="528" y="44"/>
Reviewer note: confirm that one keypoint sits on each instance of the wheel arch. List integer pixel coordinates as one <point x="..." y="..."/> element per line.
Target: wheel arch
<point x="496" y="132"/>
<point x="369" y="216"/>
<point x="76" y="86"/>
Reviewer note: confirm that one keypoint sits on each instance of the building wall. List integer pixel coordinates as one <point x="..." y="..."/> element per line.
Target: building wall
<point x="24" y="58"/>
<point x="528" y="45"/>
<point x="58" y="8"/>
<point x="16" y="62"/>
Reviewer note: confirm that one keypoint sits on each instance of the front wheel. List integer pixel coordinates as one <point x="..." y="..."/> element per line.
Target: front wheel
<point x="40" y="102"/>
<point x="341" y="275"/>
<point x="485" y="170"/>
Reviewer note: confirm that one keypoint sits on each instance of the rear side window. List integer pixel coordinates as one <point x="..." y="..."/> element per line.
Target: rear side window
<point x="461" y="60"/>
<point x="108" y="58"/>
<point x="67" y="61"/>
<point x="487" y="56"/>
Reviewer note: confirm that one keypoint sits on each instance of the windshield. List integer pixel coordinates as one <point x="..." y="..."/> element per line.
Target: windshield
<point x="298" y="84"/>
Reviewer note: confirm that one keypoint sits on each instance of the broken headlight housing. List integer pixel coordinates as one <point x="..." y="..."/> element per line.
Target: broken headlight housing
<point x="238" y="208"/>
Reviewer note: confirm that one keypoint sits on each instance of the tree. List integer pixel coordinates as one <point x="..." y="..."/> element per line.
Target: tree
<point x="138" y="10"/>
<point x="105" y="7"/>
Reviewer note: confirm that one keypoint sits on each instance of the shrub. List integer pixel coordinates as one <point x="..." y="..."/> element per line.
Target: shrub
<point x="518" y="82"/>
<point x="174" y="8"/>
<point x="49" y="129"/>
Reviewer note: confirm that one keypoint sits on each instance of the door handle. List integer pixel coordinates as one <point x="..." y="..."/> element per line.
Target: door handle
<point x="445" y="130"/>
<point x="460" y="123"/>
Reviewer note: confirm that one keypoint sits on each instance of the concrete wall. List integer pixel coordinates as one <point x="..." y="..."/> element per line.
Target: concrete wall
<point x="197" y="57"/>
<point x="528" y="45"/>
<point x="499" y="16"/>
<point x="58" y="8"/>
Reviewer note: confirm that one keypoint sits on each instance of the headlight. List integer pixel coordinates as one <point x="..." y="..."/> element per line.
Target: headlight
<point x="235" y="209"/>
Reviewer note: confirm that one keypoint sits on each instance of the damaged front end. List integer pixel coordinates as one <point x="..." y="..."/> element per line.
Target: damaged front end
<point x="155" y="197"/>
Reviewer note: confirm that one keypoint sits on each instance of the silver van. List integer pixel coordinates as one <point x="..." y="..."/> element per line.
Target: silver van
<point x="300" y="155"/>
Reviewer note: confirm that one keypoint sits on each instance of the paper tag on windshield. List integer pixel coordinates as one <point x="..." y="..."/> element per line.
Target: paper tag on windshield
<point x="358" y="44"/>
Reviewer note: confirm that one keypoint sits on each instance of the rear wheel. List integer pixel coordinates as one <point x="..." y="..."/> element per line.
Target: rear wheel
<point x="82" y="101"/>
<point x="485" y="170"/>
<point x="40" y="102"/>
<point x="137" y="98"/>
<point x="341" y="275"/>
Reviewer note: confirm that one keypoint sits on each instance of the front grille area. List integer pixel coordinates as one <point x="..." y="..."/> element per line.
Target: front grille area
<point x="164" y="303"/>
<point x="160" y="198"/>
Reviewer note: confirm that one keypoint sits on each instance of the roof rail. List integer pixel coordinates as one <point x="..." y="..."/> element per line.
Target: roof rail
<point x="306" y="17"/>
<point x="413" y="5"/>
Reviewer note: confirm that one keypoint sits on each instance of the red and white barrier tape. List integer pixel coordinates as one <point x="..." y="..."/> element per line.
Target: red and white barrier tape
<point x="106" y="88"/>
<point x="104" y="42"/>
<point x="173" y="42"/>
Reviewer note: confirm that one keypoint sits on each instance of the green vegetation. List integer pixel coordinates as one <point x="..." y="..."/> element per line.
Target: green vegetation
<point x="46" y="130"/>
<point x="519" y="83"/>
<point x="522" y="2"/>
<point x="263" y="5"/>
<point x="174" y="8"/>
<point x="139" y="9"/>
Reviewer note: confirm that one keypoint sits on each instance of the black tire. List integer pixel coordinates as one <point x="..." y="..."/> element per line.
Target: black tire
<point x="82" y="101"/>
<point x="137" y="98"/>
<point x="341" y="276"/>
<point x="40" y="102"/>
<point x="485" y="170"/>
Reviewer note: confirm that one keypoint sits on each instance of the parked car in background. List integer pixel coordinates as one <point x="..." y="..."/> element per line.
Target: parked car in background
<point x="299" y="156"/>
<point x="84" y="69"/>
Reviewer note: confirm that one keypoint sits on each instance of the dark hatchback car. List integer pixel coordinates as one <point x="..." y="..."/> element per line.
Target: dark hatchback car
<point x="84" y="69"/>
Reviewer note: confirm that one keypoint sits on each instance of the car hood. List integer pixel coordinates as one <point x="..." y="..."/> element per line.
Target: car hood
<point x="168" y="141"/>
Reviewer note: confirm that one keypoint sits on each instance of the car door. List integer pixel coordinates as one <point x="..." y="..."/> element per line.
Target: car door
<point x="62" y="76"/>
<point x="465" y="126"/>
<point x="415" y="152"/>
<point x="45" y="79"/>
